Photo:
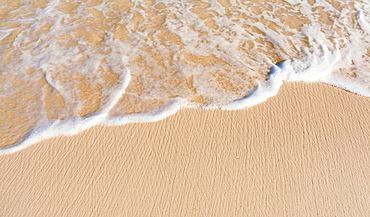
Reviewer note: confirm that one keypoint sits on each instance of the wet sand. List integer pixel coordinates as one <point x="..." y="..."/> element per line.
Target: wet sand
<point x="304" y="152"/>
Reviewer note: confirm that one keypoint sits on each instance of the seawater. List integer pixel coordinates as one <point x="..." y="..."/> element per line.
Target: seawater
<point x="67" y="65"/>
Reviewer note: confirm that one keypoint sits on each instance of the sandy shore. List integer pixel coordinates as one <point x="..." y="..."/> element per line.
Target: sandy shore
<point x="304" y="152"/>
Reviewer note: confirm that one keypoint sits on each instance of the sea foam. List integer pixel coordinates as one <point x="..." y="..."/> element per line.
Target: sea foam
<point x="70" y="65"/>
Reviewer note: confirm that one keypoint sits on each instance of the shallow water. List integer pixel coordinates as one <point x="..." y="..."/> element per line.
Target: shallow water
<point x="68" y="65"/>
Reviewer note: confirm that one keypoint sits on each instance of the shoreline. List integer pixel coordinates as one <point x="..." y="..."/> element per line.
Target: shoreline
<point x="259" y="95"/>
<point x="301" y="152"/>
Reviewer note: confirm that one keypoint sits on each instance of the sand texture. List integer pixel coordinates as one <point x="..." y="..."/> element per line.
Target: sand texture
<point x="304" y="152"/>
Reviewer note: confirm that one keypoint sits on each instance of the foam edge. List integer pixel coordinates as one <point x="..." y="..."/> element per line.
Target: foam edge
<point x="310" y="70"/>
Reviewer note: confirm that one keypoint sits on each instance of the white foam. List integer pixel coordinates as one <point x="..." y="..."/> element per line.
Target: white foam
<point x="363" y="20"/>
<point x="313" y="69"/>
<point x="114" y="98"/>
<point x="318" y="63"/>
<point x="4" y="33"/>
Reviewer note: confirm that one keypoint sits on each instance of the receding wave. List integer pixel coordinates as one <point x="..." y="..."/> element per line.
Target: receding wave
<point x="69" y="64"/>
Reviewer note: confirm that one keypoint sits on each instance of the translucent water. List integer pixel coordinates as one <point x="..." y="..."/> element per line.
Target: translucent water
<point x="67" y="65"/>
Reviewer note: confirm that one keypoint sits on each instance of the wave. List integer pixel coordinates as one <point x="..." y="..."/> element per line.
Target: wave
<point x="69" y="65"/>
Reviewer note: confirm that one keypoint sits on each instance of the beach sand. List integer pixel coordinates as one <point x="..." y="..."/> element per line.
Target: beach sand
<point x="304" y="152"/>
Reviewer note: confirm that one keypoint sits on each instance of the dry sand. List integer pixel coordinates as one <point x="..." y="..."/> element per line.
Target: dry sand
<point x="304" y="152"/>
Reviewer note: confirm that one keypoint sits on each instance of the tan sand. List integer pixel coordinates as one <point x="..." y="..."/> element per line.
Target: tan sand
<point x="304" y="152"/>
